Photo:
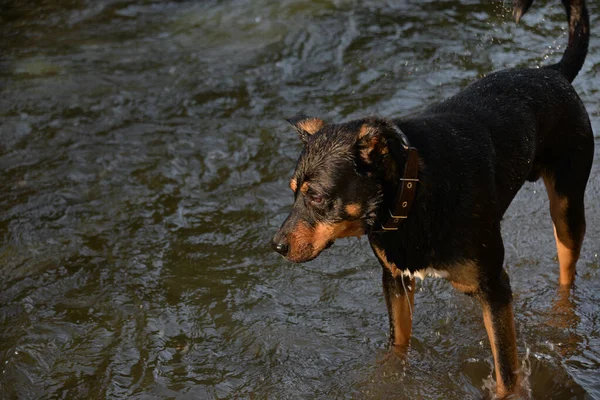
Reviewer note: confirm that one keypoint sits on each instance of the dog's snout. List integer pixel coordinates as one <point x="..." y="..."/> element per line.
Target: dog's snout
<point x="280" y="246"/>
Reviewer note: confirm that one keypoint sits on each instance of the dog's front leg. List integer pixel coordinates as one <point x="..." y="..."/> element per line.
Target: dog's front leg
<point x="496" y="300"/>
<point x="399" y="295"/>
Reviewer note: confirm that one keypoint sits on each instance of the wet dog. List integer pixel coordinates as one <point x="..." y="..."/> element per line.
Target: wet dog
<point x="430" y="190"/>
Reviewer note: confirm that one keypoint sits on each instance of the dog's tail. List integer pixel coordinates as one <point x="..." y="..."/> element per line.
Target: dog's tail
<point x="579" y="35"/>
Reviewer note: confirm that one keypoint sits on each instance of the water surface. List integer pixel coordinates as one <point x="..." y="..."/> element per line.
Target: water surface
<point x="144" y="163"/>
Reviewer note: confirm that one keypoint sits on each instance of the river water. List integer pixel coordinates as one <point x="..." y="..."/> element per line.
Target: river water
<point x="144" y="164"/>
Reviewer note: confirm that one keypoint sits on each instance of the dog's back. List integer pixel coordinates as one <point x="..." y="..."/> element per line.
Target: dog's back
<point x="509" y="127"/>
<point x="478" y="148"/>
<point x="474" y="151"/>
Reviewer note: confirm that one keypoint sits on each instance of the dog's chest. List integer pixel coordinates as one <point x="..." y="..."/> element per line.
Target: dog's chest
<point x="423" y="273"/>
<point x="420" y="273"/>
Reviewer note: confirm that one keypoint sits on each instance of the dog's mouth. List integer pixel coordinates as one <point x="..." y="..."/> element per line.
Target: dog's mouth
<point x="306" y="242"/>
<point x="308" y="254"/>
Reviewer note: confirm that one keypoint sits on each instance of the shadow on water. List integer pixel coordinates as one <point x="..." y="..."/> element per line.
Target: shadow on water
<point x="144" y="163"/>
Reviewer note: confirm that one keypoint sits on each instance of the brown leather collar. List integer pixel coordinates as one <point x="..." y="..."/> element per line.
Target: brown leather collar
<point x="407" y="189"/>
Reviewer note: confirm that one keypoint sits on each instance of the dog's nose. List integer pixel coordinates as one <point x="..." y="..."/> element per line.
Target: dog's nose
<point x="280" y="247"/>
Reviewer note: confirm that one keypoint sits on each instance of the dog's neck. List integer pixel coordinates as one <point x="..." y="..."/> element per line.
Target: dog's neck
<point x="399" y="186"/>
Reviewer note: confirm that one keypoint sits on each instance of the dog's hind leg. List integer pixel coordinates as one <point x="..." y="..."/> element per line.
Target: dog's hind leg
<point x="569" y="227"/>
<point x="565" y="183"/>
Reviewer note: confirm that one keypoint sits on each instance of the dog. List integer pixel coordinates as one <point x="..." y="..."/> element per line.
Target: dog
<point x="430" y="190"/>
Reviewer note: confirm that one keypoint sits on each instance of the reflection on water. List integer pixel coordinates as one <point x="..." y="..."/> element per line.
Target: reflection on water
<point x="144" y="164"/>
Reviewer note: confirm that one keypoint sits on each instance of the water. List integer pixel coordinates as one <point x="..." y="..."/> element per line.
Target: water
<point x="144" y="163"/>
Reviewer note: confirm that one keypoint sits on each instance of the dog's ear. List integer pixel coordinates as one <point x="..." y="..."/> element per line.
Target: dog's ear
<point x="371" y="143"/>
<point x="373" y="151"/>
<point x="305" y="125"/>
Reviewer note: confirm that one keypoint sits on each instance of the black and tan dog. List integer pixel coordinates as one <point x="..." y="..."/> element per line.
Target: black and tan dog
<point x="430" y="190"/>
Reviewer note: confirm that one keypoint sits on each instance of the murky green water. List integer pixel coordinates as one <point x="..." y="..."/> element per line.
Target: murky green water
<point x="144" y="162"/>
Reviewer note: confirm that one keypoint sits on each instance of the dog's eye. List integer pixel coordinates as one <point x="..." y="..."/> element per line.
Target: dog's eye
<point x="316" y="199"/>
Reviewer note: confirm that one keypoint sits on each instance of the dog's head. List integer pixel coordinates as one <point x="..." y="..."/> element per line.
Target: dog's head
<point x="337" y="184"/>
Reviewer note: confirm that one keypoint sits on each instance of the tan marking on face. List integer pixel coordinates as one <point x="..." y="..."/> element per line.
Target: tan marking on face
<point x="304" y="187"/>
<point x="300" y="240"/>
<point x="324" y="233"/>
<point x="293" y="185"/>
<point x="353" y="210"/>
<point x="307" y="242"/>
<point x="311" y="126"/>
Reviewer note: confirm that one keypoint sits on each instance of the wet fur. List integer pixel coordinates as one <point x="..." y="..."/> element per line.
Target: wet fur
<point x="476" y="150"/>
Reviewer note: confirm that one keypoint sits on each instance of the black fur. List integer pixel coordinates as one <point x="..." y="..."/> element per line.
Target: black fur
<point x="476" y="150"/>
